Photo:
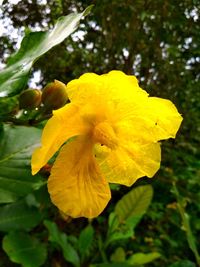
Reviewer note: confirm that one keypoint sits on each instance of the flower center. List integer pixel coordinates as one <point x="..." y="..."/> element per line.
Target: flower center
<point x="104" y="134"/>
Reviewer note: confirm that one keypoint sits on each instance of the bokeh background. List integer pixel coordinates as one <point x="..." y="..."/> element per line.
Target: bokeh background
<point x="158" y="42"/>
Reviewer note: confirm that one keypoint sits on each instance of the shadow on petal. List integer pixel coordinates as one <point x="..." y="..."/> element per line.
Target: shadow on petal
<point x="76" y="185"/>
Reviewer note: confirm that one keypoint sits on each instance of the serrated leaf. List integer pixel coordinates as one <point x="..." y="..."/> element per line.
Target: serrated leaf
<point x="23" y="249"/>
<point x="14" y="77"/>
<point x="85" y="239"/>
<point x="134" y="204"/>
<point x="19" y="216"/>
<point x="61" y="239"/>
<point x="142" y="258"/>
<point x="16" y="146"/>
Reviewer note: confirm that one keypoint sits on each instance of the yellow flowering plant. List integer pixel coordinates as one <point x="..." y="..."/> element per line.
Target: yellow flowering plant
<point x="116" y="128"/>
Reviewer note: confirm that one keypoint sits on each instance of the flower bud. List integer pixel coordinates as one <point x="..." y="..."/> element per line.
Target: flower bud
<point x="30" y="99"/>
<point x="54" y="95"/>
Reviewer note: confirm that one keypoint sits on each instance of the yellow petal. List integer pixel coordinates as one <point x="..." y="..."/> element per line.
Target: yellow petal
<point x="112" y="87"/>
<point x="65" y="123"/>
<point x="76" y="185"/>
<point x="84" y="87"/>
<point x="128" y="162"/>
<point x="165" y="116"/>
<point x="122" y="84"/>
<point x="149" y="120"/>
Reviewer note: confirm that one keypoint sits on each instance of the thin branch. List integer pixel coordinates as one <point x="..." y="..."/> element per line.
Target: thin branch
<point x="30" y="122"/>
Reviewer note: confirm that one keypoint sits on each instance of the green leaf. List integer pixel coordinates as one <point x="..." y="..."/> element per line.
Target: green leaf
<point x="23" y="249"/>
<point x="133" y="205"/>
<point x="16" y="146"/>
<point x="116" y="264"/>
<point x="14" y="77"/>
<point x="123" y="232"/>
<point x="8" y="105"/>
<point x="117" y="230"/>
<point x="85" y="240"/>
<point x="141" y="258"/>
<point x="113" y="221"/>
<point x="128" y="212"/>
<point x="183" y="263"/>
<point x="186" y="224"/>
<point x="7" y="197"/>
<point x="61" y="239"/>
<point x="19" y="216"/>
<point x="119" y="255"/>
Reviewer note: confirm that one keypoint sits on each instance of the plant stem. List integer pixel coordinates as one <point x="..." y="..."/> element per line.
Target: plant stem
<point x="186" y="224"/>
<point x="101" y="249"/>
<point x="30" y="122"/>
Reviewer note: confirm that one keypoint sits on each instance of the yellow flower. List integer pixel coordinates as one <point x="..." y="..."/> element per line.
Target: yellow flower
<point x="116" y="129"/>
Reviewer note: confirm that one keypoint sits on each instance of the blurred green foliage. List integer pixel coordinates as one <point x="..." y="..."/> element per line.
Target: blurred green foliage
<point x="158" y="41"/>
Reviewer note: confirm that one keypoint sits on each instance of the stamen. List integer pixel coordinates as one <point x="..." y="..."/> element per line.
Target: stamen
<point x="104" y="134"/>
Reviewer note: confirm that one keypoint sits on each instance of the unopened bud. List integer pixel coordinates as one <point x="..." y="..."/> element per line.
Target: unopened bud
<point x="30" y="99"/>
<point x="54" y="95"/>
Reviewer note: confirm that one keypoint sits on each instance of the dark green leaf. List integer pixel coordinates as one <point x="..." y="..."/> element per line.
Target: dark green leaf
<point x="183" y="263"/>
<point x="23" y="249"/>
<point x="7" y="196"/>
<point x="116" y="264"/>
<point x="19" y="216"/>
<point x="8" y="105"/>
<point x="61" y="239"/>
<point x="85" y="239"/>
<point x="14" y="77"/>
<point x="16" y="146"/>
